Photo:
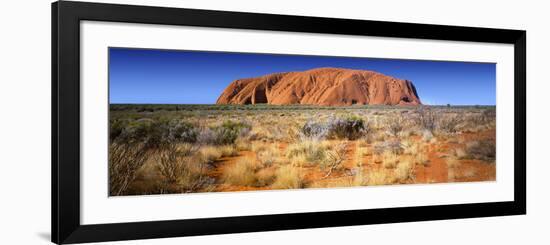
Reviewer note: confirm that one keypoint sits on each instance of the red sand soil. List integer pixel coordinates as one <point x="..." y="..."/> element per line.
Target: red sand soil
<point x="436" y="171"/>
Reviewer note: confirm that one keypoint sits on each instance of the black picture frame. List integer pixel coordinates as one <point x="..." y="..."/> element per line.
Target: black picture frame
<point x="66" y="17"/>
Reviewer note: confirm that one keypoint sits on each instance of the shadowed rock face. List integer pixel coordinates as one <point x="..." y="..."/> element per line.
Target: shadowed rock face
<point x="322" y="86"/>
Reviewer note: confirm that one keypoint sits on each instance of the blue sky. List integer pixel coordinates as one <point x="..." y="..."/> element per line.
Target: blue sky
<point x="146" y="76"/>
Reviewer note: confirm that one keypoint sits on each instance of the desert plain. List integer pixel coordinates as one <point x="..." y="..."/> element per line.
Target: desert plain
<point x="163" y="149"/>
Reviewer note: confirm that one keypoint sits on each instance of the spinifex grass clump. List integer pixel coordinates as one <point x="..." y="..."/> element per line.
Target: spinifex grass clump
<point x="309" y="151"/>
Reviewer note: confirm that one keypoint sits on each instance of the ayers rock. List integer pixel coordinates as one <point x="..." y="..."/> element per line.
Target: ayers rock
<point x="321" y="86"/>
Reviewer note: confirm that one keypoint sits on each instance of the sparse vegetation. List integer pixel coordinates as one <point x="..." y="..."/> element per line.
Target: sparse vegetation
<point x="452" y="162"/>
<point x="310" y="151"/>
<point x="241" y="173"/>
<point x="157" y="149"/>
<point x="124" y="162"/>
<point x="404" y="171"/>
<point x="350" y="128"/>
<point x="483" y="150"/>
<point x="390" y="159"/>
<point x="288" y="177"/>
<point x="210" y="154"/>
<point x="269" y="156"/>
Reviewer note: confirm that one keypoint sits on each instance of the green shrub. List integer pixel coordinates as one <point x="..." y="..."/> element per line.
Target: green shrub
<point x="180" y="131"/>
<point x="224" y="134"/>
<point x="148" y="132"/>
<point x="153" y="133"/>
<point x="115" y="128"/>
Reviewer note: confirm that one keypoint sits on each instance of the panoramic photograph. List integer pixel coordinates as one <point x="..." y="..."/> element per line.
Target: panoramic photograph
<point x="201" y="121"/>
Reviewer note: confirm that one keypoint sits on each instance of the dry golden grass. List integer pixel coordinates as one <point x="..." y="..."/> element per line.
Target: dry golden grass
<point x="379" y="136"/>
<point x="360" y="154"/>
<point x="404" y="134"/>
<point x="288" y="177"/>
<point x="346" y="181"/>
<point x="379" y="177"/>
<point x="452" y="162"/>
<point x="421" y="158"/>
<point x="210" y="154"/>
<point x="193" y="175"/>
<point x="186" y="149"/>
<point x="169" y="165"/>
<point x="124" y="163"/>
<point x="451" y="175"/>
<point x="241" y="173"/>
<point x="228" y="151"/>
<point x="258" y="146"/>
<point x="360" y="178"/>
<point x="410" y="147"/>
<point x="377" y="158"/>
<point x="259" y="132"/>
<point x="242" y="145"/>
<point x="269" y="155"/>
<point x="265" y="177"/>
<point x="389" y="159"/>
<point x="299" y="160"/>
<point x="460" y="153"/>
<point x="306" y="152"/>
<point x="470" y="172"/>
<point x="362" y="151"/>
<point x="427" y="136"/>
<point x="362" y="142"/>
<point x="404" y="171"/>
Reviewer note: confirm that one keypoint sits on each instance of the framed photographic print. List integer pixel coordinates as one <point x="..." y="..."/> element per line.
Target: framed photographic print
<point x="177" y="122"/>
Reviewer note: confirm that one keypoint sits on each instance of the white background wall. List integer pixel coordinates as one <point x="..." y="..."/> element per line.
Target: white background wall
<point x="25" y="121"/>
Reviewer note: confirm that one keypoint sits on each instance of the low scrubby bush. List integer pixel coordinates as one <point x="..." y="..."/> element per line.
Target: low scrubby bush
<point x="448" y="124"/>
<point x="169" y="165"/>
<point x="115" y="128"/>
<point x="229" y="131"/>
<point x="350" y="128"/>
<point x="315" y="130"/>
<point x="180" y="131"/>
<point x="393" y="146"/>
<point x="483" y="150"/>
<point x="153" y="134"/>
<point x="124" y="162"/>
<point x="427" y="118"/>
<point x="395" y="125"/>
